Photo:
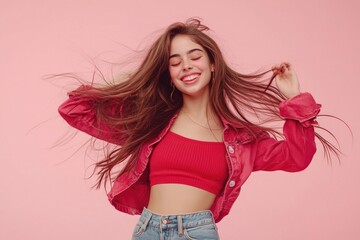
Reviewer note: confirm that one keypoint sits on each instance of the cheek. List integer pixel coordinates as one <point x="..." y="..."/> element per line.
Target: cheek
<point x="205" y="69"/>
<point x="173" y="73"/>
<point x="204" y="66"/>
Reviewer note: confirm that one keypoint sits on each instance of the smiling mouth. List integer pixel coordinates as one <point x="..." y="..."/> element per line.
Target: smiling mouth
<point x="190" y="77"/>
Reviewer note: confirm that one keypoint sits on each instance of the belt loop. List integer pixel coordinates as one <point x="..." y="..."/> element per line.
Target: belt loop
<point x="180" y="226"/>
<point x="147" y="219"/>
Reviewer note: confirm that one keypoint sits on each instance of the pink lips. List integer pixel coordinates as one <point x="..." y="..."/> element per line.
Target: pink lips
<point x="196" y="76"/>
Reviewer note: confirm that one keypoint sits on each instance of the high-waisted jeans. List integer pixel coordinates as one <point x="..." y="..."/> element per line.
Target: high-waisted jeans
<point x="197" y="225"/>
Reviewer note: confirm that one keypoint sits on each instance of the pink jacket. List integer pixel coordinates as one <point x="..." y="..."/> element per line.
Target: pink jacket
<point x="130" y="192"/>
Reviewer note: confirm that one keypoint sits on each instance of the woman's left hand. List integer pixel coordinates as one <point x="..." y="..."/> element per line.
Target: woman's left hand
<point x="286" y="79"/>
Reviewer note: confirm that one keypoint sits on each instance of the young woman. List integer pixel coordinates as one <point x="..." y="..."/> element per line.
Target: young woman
<point x="185" y="140"/>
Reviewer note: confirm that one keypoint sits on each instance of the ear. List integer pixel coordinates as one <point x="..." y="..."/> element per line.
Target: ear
<point x="212" y="68"/>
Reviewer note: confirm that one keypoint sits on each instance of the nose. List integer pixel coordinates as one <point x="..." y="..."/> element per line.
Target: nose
<point x="187" y="66"/>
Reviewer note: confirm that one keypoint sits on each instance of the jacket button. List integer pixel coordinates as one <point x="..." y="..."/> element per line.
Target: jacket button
<point x="232" y="183"/>
<point x="231" y="149"/>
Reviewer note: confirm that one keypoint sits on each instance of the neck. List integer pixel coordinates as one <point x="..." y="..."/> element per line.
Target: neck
<point x="200" y="110"/>
<point x="197" y="106"/>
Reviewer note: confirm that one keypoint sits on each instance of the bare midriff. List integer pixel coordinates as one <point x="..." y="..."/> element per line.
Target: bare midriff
<point x="166" y="199"/>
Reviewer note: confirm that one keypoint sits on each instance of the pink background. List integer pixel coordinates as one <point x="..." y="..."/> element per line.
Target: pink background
<point x="44" y="193"/>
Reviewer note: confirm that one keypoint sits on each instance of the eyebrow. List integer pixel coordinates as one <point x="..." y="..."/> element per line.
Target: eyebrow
<point x="188" y="52"/>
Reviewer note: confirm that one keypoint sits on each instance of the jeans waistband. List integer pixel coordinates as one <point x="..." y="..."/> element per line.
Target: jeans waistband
<point x="179" y="221"/>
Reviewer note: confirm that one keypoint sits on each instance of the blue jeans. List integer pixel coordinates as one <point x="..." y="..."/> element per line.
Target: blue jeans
<point x="197" y="225"/>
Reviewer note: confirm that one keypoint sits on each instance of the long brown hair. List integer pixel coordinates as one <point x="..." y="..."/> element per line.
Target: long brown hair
<point x="140" y="107"/>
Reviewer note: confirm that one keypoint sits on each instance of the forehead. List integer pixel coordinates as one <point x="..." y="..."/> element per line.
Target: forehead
<point x="181" y="44"/>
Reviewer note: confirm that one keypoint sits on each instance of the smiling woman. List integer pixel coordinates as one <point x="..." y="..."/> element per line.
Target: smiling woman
<point x="190" y="67"/>
<point x="180" y="123"/>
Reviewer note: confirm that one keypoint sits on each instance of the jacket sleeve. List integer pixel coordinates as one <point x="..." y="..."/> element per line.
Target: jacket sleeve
<point x="80" y="113"/>
<point x="296" y="151"/>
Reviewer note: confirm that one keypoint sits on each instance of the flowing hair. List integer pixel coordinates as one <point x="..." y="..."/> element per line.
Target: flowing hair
<point x="138" y="109"/>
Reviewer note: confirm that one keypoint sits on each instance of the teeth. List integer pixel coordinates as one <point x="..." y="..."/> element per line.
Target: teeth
<point x="191" y="77"/>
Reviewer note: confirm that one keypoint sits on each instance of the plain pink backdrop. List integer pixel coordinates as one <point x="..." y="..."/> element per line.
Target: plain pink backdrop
<point x="44" y="193"/>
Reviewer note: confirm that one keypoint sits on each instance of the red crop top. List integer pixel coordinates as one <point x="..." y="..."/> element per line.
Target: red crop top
<point x="177" y="159"/>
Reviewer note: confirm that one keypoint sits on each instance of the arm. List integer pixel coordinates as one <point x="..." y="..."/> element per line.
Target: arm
<point x="296" y="151"/>
<point x="299" y="110"/>
<point x="80" y="113"/>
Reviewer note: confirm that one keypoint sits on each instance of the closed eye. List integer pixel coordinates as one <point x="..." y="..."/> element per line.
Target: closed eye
<point x="175" y="64"/>
<point x="196" y="58"/>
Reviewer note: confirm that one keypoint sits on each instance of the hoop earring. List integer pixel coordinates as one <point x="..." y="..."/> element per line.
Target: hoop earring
<point x="172" y="91"/>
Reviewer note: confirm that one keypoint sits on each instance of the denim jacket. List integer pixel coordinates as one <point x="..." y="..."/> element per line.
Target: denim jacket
<point x="245" y="153"/>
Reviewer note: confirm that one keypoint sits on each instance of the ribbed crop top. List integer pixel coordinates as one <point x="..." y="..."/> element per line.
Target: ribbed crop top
<point x="178" y="159"/>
